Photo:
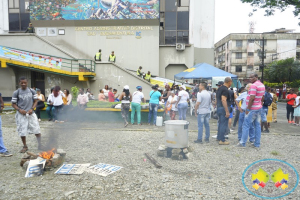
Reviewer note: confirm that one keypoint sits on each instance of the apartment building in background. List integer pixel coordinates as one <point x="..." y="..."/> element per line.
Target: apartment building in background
<point x="241" y="53"/>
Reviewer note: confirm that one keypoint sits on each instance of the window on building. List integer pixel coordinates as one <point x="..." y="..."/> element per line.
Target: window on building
<point x="174" y="18"/>
<point x="250" y="53"/>
<point x="19" y="15"/>
<point x="250" y="68"/>
<point x="250" y="41"/>
<point x="238" y="55"/>
<point x="239" y="43"/>
<point x="298" y="55"/>
<point x="238" y="68"/>
<point x="298" y="42"/>
<point x="261" y="42"/>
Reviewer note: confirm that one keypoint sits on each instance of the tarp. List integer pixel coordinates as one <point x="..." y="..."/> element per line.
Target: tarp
<point x="203" y="70"/>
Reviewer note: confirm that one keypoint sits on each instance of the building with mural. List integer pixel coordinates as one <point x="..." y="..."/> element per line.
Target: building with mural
<point x="163" y="36"/>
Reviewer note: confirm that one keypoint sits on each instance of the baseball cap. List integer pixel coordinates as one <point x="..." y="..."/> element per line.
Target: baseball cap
<point x="220" y="83"/>
<point x="139" y="87"/>
<point x="126" y="87"/>
<point x="183" y="87"/>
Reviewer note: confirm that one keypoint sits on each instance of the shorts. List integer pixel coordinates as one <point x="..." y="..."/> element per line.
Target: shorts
<point x="27" y="124"/>
<point x="231" y="114"/>
<point x="297" y="112"/>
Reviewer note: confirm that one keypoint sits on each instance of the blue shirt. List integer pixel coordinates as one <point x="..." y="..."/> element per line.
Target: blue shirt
<point x="154" y="97"/>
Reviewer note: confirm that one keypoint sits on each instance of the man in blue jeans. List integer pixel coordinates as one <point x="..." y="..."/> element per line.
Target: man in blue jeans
<point x="253" y="111"/>
<point x="3" y="150"/>
<point x="202" y="109"/>
<point x="223" y="106"/>
<point x="242" y="98"/>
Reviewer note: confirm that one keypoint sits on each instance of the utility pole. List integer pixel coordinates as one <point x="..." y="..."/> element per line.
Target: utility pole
<point x="263" y="60"/>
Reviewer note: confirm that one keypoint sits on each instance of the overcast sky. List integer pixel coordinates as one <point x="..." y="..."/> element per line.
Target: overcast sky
<point x="232" y="17"/>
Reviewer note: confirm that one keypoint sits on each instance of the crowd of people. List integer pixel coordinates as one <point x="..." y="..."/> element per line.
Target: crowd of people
<point x="255" y="107"/>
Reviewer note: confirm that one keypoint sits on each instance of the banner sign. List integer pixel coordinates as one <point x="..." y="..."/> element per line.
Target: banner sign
<point x="94" y="9"/>
<point x="33" y="58"/>
<point x="72" y="168"/>
<point x="103" y="169"/>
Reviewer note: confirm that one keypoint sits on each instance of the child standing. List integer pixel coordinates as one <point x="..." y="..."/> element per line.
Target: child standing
<point x="297" y="109"/>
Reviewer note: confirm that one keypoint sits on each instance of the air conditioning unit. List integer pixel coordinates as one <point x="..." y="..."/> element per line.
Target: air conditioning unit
<point x="180" y="46"/>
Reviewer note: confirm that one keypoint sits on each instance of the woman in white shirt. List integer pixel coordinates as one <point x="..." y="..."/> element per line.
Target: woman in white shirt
<point x="172" y="100"/>
<point x="137" y="98"/>
<point x="297" y="109"/>
<point x="182" y="103"/>
<point x="106" y="90"/>
<point x="57" y="102"/>
<point x="40" y="104"/>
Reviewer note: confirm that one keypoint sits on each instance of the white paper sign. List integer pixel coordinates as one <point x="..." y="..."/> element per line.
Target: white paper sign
<point x="35" y="167"/>
<point x="103" y="169"/>
<point x="72" y="168"/>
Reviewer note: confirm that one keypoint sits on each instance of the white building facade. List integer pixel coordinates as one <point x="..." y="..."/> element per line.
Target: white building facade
<point x="240" y="53"/>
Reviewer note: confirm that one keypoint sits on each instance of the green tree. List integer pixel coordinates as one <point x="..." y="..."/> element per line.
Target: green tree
<point x="283" y="70"/>
<point x="270" y="6"/>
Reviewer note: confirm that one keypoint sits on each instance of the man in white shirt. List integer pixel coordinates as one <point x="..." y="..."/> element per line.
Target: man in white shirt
<point x="242" y="97"/>
<point x="202" y="109"/>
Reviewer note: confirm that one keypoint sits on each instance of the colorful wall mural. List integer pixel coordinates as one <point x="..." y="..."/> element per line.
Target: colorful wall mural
<point x="93" y="9"/>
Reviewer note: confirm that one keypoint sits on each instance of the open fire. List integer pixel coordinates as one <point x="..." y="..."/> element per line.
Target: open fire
<point x="48" y="154"/>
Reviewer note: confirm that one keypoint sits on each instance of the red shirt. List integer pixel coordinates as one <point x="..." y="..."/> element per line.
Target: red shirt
<point x="289" y="96"/>
<point x="111" y="97"/>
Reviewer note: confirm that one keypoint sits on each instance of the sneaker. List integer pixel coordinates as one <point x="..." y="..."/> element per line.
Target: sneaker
<point x="266" y="131"/>
<point x="233" y="128"/>
<point x="275" y="122"/>
<point x="49" y="119"/>
<point x="207" y="141"/>
<point x="6" y="154"/>
<point x="251" y="142"/>
<point x="240" y="145"/>
<point x="290" y="122"/>
<point x="198" y="141"/>
<point x="223" y="143"/>
<point x="253" y="146"/>
<point x="214" y="136"/>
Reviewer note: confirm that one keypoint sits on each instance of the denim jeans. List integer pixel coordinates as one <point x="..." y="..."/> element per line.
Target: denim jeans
<point x="253" y="117"/>
<point x="152" y="111"/>
<point x="56" y="111"/>
<point x="222" y="123"/>
<point x="240" y="129"/>
<point x="136" y="107"/>
<point x="2" y="147"/>
<point x="264" y="113"/>
<point x="49" y="110"/>
<point x="203" y="119"/>
<point x="182" y="108"/>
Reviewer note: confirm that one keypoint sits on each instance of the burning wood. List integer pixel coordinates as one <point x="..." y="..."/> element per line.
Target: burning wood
<point x="47" y="154"/>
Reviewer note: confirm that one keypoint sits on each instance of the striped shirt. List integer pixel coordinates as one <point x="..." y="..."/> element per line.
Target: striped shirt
<point x="257" y="89"/>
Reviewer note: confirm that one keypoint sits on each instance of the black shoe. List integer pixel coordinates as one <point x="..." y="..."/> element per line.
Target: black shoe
<point x="198" y="141"/>
<point x="207" y="141"/>
<point x="49" y="119"/>
<point x="266" y="131"/>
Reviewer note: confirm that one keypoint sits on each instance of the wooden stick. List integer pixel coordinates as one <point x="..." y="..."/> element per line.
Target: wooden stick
<point x="32" y="154"/>
<point x="153" y="161"/>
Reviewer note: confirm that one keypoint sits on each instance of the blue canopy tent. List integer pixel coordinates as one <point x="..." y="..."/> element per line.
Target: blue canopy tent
<point x="206" y="71"/>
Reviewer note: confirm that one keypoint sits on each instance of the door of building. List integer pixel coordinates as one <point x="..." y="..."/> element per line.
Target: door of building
<point x="38" y="81"/>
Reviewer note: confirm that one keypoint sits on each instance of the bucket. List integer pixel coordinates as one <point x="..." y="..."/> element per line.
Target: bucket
<point x="177" y="135"/>
<point x="159" y="121"/>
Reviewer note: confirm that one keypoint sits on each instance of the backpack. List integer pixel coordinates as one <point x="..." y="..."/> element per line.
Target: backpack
<point x="268" y="99"/>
